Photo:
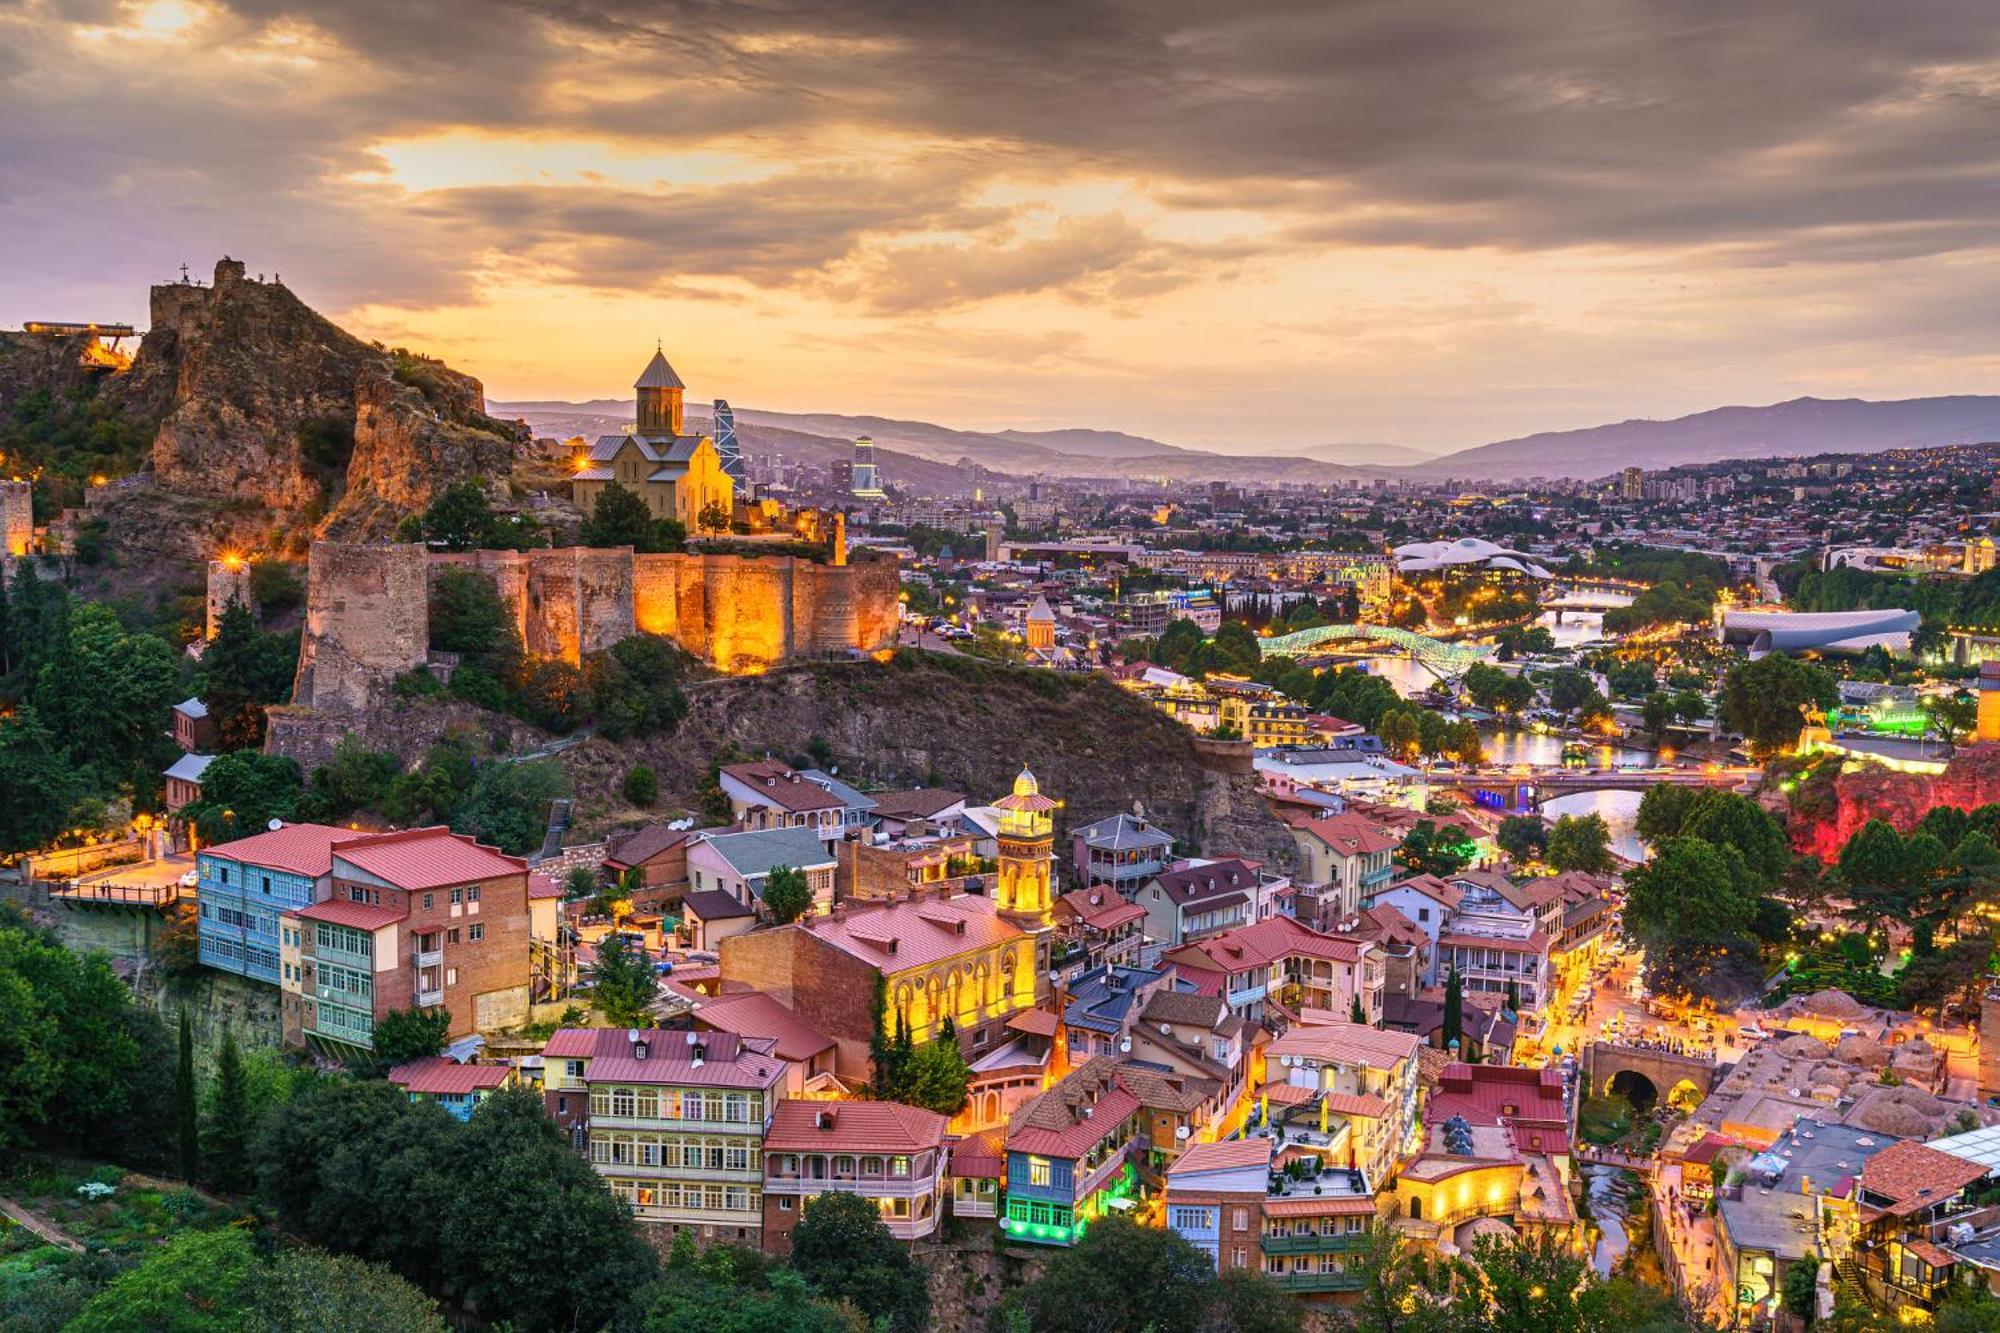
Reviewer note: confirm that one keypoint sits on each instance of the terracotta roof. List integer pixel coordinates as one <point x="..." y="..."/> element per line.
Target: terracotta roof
<point x="1351" y="835"/>
<point x="1314" y="1206"/>
<point x="341" y="912"/>
<point x="1034" y="1022"/>
<point x="671" y="1062"/>
<point x="914" y="803"/>
<point x="1355" y="1103"/>
<point x="1356" y="1043"/>
<point x="1535" y="943"/>
<point x="439" y="1075"/>
<point x="780" y="785"/>
<point x="1228" y="1155"/>
<point x="543" y="886"/>
<point x="898" y="936"/>
<point x="427" y="858"/>
<point x="1085" y="1107"/>
<point x="979" y="1156"/>
<point x="1385" y="924"/>
<point x="755" y="1014"/>
<point x="302" y="849"/>
<point x="642" y="845"/>
<point x="1913" y="1176"/>
<point x="1100" y="908"/>
<point x="1188" y="883"/>
<point x="1285" y="1094"/>
<point x="1430" y="886"/>
<point x="1264" y="943"/>
<point x="1161" y="1090"/>
<point x="1189" y="1007"/>
<point x="1929" y="1253"/>
<point x="858" y="1127"/>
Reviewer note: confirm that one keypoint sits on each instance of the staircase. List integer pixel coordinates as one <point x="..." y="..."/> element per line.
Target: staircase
<point x="1847" y="1285"/>
<point x="552" y="842"/>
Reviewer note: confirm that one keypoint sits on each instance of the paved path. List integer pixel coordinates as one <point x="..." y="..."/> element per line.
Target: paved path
<point x="47" y="1230"/>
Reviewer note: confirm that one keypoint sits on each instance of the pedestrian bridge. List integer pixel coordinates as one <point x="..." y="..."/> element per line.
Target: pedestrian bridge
<point x="1646" y="1074"/>
<point x="1446" y="661"/>
<point x="1530" y="791"/>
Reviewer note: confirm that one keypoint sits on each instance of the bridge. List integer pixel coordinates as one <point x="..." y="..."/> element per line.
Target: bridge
<point x="1645" y="1074"/>
<point x="1446" y="661"/>
<point x="1514" y="791"/>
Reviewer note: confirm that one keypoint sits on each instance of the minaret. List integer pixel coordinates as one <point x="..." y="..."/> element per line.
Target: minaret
<point x="659" y="397"/>
<point x="1027" y="837"/>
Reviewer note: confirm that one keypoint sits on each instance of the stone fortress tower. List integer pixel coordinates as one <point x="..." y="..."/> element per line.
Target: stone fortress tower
<point x="17" y="517"/>
<point x="228" y="580"/>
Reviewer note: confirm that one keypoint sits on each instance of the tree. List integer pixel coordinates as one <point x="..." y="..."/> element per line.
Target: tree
<point x="1801" y="1292"/>
<point x="1121" y="1278"/>
<point x="844" y="1250"/>
<point x="733" y="1289"/>
<point x="1429" y="850"/>
<point x="403" y="1035"/>
<point x="187" y="1122"/>
<point x="1657" y="712"/>
<point x="1354" y="1011"/>
<point x="38" y="784"/>
<point x="634" y="689"/>
<point x="619" y="517"/>
<point x="1522" y="837"/>
<point x="1761" y="699"/>
<point x="625" y="982"/>
<point x="1581" y="842"/>
<point x="788" y="894"/>
<point x="468" y="617"/>
<point x="1248" y="1302"/>
<point x="226" y="1129"/>
<point x="1692" y="907"/>
<point x="714" y="517"/>
<point x="1400" y="734"/>
<point x="198" y="1282"/>
<point x="933" y="1075"/>
<point x="303" y="1291"/>
<point x="458" y="518"/>
<point x="242" y="670"/>
<point x="1885" y="873"/>
<point x="242" y="792"/>
<point x="1453" y="1026"/>
<point x="509" y="802"/>
<point x="1729" y="820"/>
<point x="642" y="785"/>
<point x="1950" y="717"/>
<point x="1569" y="689"/>
<point x="1664" y="809"/>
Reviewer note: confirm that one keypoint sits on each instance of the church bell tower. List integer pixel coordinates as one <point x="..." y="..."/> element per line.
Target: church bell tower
<point x="1026" y="835"/>
<point x="660" y="391"/>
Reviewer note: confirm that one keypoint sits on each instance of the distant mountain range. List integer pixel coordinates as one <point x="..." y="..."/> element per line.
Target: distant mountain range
<point x="1803" y="426"/>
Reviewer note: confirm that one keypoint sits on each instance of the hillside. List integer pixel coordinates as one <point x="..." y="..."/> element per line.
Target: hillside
<point x="1798" y="428"/>
<point x="243" y="402"/>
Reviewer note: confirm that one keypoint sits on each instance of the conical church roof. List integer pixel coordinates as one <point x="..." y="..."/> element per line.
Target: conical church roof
<point x="659" y="375"/>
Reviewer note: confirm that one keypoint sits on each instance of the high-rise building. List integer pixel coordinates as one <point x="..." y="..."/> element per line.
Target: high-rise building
<point x="726" y="446"/>
<point x="1633" y="487"/>
<point x="866" y="484"/>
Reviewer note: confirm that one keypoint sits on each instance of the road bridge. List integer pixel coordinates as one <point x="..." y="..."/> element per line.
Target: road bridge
<point x="1646" y="1075"/>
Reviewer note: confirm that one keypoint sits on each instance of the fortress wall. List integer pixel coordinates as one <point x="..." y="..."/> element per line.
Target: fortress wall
<point x="367" y="622"/>
<point x="748" y="613"/>
<point x="507" y="570"/>
<point x="17" y="517"/>
<point x="227" y="580"/>
<point x="580" y="601"/>
<point x="875" y="591"/>
<point x="656" y="594"/>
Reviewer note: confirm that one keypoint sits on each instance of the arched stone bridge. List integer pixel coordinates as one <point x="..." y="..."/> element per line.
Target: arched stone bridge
<point x="1604" y="1062"/>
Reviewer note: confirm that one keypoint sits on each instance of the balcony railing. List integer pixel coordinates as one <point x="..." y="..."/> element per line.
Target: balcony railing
<point x="430" y="957"/>
<point x="1320" y="1281"/>
<point x="1313" y="1243"/>
<point x="428" y="999"/>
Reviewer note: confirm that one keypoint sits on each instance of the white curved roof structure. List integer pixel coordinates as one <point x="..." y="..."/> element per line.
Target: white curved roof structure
<point x="1819" y="631"/>
<point x="1416" y="557"/>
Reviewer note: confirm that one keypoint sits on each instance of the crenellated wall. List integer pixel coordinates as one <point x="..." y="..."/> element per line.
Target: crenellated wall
<point x="740" y="613"/>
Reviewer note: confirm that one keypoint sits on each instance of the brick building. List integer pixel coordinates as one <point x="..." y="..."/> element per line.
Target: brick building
<point x="423" y="918"/>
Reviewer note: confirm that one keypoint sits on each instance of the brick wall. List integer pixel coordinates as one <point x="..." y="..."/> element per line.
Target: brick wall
<point x="830" y="990"/>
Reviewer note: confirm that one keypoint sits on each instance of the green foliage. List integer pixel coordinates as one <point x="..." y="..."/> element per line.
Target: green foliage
<point x="1761" y="699"/>
<point x="1429" y="850"/>
<point x="79" y="1062"/>
<point x="461" y="518"/>
<point x="1801" y="1297"/>
<point x="1491" y="688"/>
<point x="1523" y="837"/>
<point x="357" y="779"/>
<point x="468" y="617"/>
<point x="1667" y="603"/>
<point x="1122" y="1278"/>
<point x="242" y="792"/>
<point x="1664" y="810"/>
<point x="1581" y="842"/>
<point x="508" y="803"/>
<point x="402" y="1035"/>
<point x="620" y="518"/>
<point x="1453" y="1024"/>
<point x="842" y="1247"/>
<point x="787" y="894"/>
<point x="227" y="1124"/>
<point x="242" y="671"/>
<point x="199" y="1282"/>
<point x="1693" y="908"/>
<point x="1729" y="820"/>
<point x="625" y="983"/>
<point x="933" y="1076"/>
<point x="641" y="786"/>
<point x="187" y="1097"/>
<point x="635" y="687"/>
<point x="733" y="1289"/>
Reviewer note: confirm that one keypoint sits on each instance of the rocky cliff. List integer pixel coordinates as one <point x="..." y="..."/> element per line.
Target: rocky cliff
<point x="251" y="402"/>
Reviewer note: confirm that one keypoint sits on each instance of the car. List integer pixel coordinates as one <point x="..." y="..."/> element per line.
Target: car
<point x="1751" y="1032"/>
<point x="190" y="879"/>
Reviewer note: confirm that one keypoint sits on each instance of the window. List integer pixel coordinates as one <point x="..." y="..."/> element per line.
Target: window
<point x="472" y="894"/>
<point x="899" y="1166"/>
<point x="267" y="883"/>
<point x="736" y="1158"/>
<point x="458" y="895"/>
<point x="428" y="901"/>
<point x="785" y="1205"/>
<point x="451" y="976"/>
<point x="1239" y="1219"/>
<point x="225" y="874"/>
<point x="478" y="933"/>
<point x="451" y="936"/>
<point x="1239" y="1257"/>
<point x="1040" y="1171"/>
<point x="871" y="1166"/>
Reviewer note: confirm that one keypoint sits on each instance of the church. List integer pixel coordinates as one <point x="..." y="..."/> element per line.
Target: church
<point x="678" y="475"/>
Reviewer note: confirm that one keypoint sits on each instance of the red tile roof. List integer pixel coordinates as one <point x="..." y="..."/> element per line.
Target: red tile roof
<point x="755" y="1014"/>
<point x="1912" y="1176"/>
<point x="427" y="858"/>
<point x="1354" y="1043"/>
<point x="1535" y="943"/>
<point x="543" y="886"/>
<point x="779" y="785"/>
<point x="980" y="1156"/>
<point x="857" y="1127"/>
<point x="1351" y="835"/>
<point x="1337" y="1206"/>
<point x="1430" y="886"/>
<point x="1227" y="1155"/>
<point x="1264" y="943"/>
<point x="898" y="936"/>
<point x="1086" y="1107"/>
<point x="438" y="1075"/>
<point x="341" y="912"/>
<point x="302" y="849"/>
<point x="1100" y="908"/>
<point x="1363" y="1104"/>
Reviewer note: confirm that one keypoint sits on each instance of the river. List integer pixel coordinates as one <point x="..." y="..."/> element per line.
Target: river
<point x="1621" y="813"/>
<point x="1605" y="1194"/>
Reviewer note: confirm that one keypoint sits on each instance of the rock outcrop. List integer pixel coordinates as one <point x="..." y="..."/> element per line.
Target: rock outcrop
<point x="1866" y="791"/>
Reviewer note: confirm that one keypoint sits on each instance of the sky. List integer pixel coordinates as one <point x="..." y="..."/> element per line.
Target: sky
<point x="1254" y="225"/>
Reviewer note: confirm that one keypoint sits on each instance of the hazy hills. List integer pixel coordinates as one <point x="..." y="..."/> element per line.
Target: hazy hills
<point x="1801" y="427"/>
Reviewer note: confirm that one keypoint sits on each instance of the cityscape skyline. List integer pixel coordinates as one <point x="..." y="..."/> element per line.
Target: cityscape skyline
<point x="1358" y="223"/>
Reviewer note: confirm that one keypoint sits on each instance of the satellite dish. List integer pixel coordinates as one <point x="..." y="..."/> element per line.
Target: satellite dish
<point x="275" y="825"/>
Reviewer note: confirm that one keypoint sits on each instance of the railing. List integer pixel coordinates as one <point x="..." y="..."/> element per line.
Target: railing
<point x="1313" y="1243"/>
<point x="427" y="999"/>
<point x="1354" y="1281"/>
<point x="124" y="895"/>
<point x="430" y="957"/>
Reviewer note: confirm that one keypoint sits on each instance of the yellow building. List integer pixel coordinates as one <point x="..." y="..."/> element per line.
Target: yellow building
<point x="679" y="476"/>
<point x="1266" y="722"/>
<point x="1026" y="836"/>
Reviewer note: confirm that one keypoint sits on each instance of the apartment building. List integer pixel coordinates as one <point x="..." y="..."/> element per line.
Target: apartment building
<point x="1356" y="1074"/>
<point x="1284" y="962"/>
<point x="890" y="1154"/>
<point x="243" y="887"/>
<point x="675" y="1122"/>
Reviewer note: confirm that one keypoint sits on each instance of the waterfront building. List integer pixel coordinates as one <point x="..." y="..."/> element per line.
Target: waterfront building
<point x="1123" y="851"/>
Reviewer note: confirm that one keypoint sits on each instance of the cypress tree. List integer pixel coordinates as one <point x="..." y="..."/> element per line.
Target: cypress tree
<point x="226" y="1144"/>
<point x="187" y="1123"/>
<point x="1355" y="1014"/>
<point x="1454" y="1009"/>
